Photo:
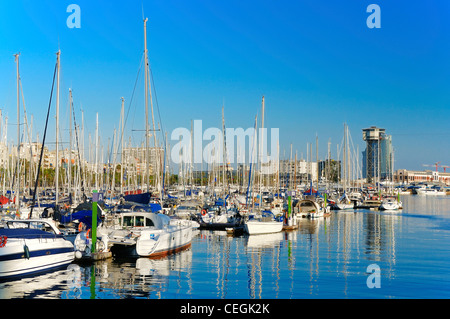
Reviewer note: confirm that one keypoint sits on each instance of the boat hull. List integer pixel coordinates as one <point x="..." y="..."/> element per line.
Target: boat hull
<point x="343" y="206"/>
<point x="260" y="227"/>
<point x="427" y="192"/>
<point x="155" y="244"/>
<point x="389" y="207"/>
<point x="41" y="255"/>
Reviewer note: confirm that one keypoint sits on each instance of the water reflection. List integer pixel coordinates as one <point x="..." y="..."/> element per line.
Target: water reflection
<point x="323" y="258"/>
<point x="45" y="286"/>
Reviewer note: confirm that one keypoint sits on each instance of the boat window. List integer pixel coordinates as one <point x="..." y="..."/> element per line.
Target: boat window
<point x="128" y="221"/>
<point x="140" y="221"/>
<point x="149" y="222"/>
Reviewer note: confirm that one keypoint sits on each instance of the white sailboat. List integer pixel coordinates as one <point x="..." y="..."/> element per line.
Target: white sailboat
<point x="263" y="222"/>
<point x="343" y="203"/>
<point x="431" y="191"/>
<point x="310" y="209"/>
<point x="390" y="203"/>
<point x="148" y="235"/>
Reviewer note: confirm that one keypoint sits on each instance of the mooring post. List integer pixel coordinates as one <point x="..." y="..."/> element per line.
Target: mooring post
<point x="94" y="220"/>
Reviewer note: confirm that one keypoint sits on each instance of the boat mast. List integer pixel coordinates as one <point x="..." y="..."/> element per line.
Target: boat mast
<point x="96" y="152"/>
<point x="147" y="162"/>
<point x="121" y="145"/>
<point x="261" y="153"/>
<point x="70" y="146"/>
<point x="18" y="134"/>
<point x="57" y="127"/>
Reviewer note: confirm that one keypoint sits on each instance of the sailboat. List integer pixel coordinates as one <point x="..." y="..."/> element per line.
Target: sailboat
<point x="29" y="246"/>
<point x="262" y="221"/>
<point x="140" y="233"/>
<point x="139" y="196"/>
<point x="344" y="203"/>
<point x="146" y="234"/>
<point x="390" y="203"/>
<point x="308" y="208"/>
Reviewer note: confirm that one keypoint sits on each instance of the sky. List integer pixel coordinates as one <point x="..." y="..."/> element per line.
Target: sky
<point x="317" y="64"/>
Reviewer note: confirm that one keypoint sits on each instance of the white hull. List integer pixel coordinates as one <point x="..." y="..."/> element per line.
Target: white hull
<point x="431" y="192"/>
<point x="160" y="237"/>
<point x="310" y="209"/>
<point x="166" y="242"/>
<point x="390" y="206"/>
<point x="317" y="214"/>
<point x="44" y="254"/>
<point x="344" y="206"/>
<point x="254" y="227"/>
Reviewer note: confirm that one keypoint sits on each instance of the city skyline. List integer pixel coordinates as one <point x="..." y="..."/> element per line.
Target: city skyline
<point x="318" y="66"/>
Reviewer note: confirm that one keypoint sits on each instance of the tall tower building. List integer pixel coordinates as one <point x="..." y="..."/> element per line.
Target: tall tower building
<point x="378" y="156"/>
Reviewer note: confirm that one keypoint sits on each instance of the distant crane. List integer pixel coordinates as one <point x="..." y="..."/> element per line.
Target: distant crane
<point x="437" y="165"/>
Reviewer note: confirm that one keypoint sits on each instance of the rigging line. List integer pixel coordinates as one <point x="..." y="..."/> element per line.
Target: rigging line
<point x="43" y="143"/>
<point x="80" y="165"/>
<point x="157" y="105"/>
<point x="129" y="107"/>
<point x="17" y="168"/>
<point x="132" y="95"/>
<point x="26" y="117"/>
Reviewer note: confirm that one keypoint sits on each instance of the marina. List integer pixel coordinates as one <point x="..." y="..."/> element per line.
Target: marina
<point x="107" y="194"/>
<point x="323" y="258"/>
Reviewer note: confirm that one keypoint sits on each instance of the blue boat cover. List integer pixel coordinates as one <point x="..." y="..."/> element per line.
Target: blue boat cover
<point x="143" y="198"/>
<point x="155" y="207"/>
<point x="84" y="216"/>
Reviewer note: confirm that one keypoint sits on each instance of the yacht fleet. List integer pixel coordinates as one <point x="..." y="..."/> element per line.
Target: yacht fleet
<point x="49" y="224"/>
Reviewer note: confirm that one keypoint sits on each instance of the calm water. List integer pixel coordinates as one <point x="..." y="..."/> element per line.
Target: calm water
<point x="327" y="258"/>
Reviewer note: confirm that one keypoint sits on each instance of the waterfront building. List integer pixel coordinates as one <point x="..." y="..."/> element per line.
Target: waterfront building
<point x="297" y="172"/>
<point x="404" y="176"/>
<point x="135" y="159"/>
<point x="378" y="155"/>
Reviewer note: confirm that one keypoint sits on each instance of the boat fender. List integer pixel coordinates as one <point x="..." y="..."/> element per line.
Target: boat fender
<point x="26" y="251"/>
<point x="3" y="241"/>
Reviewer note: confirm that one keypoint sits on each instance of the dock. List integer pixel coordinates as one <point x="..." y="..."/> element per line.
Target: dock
<point x="290" y="227"/>
<point x="102" y="255"/>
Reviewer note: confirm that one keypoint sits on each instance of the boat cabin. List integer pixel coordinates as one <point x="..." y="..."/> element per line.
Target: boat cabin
<point x="38" y="224"/>
<point x="143" y="219"/>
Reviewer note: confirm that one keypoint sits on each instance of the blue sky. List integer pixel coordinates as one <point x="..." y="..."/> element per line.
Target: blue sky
<point x="316" y="62"/>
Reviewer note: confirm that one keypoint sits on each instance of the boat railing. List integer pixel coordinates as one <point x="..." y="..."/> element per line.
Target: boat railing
<point x="30" y="235"/>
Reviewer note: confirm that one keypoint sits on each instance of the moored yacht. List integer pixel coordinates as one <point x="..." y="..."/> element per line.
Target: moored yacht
<point x="310" y="209"/>
<point x="147" y="234"/>
<point x="32" y="246"/>
<point x="433" y="191"/>
<point x="263" y="223"/>
<point x="390" y="203"/>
